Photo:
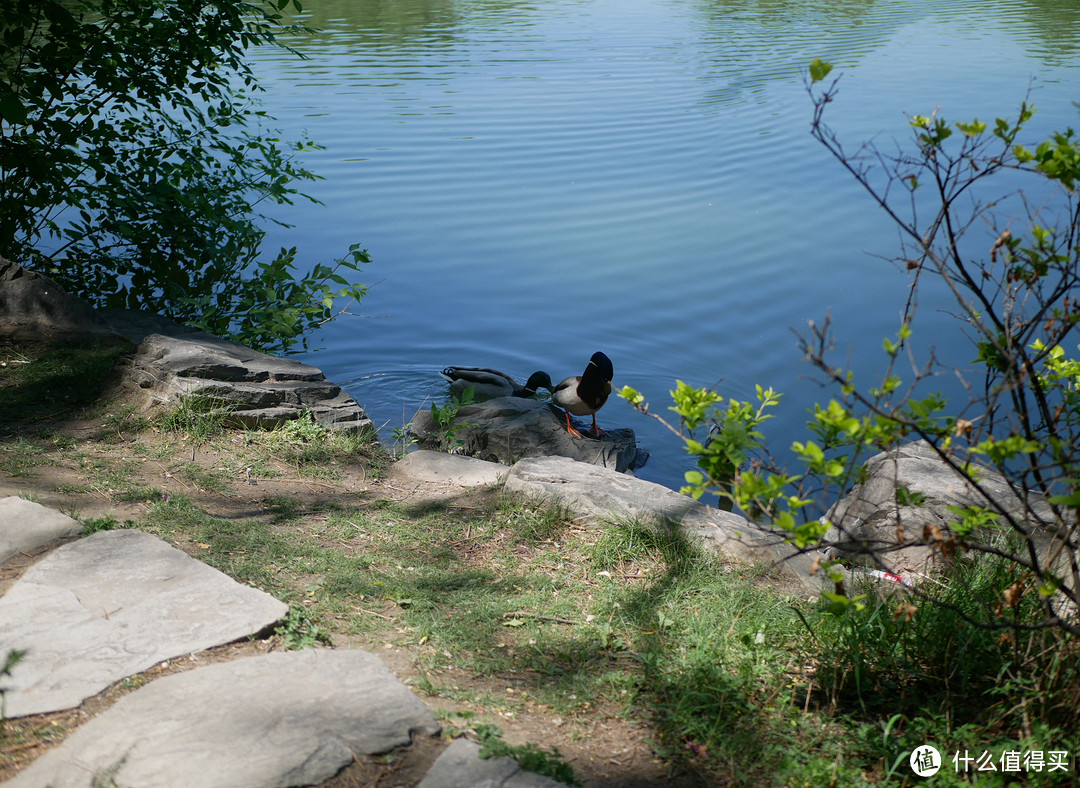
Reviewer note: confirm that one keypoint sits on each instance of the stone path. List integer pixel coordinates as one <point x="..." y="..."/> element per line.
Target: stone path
<point x="108" y="606"/>
<point x="292" y="718"/>
<point x="37" y="525"/>
<point x="112" y="605"/>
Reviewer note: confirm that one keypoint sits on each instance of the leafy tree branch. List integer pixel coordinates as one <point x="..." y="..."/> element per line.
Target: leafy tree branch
<point x="134" y="161"/>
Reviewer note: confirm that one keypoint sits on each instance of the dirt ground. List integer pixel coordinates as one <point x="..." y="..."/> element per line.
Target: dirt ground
<point x="606" y="750"/>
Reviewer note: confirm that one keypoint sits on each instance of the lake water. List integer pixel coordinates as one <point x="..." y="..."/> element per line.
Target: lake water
<point x="539" y="180"/>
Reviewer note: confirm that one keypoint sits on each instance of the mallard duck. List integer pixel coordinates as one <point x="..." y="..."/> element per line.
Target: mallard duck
<point x="586" y="393"/>
<point x="490" y="383"/>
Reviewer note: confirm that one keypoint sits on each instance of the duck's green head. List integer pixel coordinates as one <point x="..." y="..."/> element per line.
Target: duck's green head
<point x="602" y="365"/>
<point x="539" y="380"/>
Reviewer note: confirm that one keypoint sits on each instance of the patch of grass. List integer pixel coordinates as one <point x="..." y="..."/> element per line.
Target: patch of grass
<point x="628" y="542"/>
<point x="259" y="468"/>
<point x="631" y="618"/>
<point x="297" y="631"/>
<point x="39" y="383"/>
<point x="139" y="493"/>
<point x="532" y="523"/>
<point x="197" y="418"/>
<point x="12" y="658"/>
<point x="310" y="447"/>
<point x="530" y="757"/>
<point x="124" y="419"/>
<point x="250" y="551"/>
<point x="111" y="475"/>
<point x="21" y="456"/>
<point x="57" y="440"/>
<point x="283" y="509"/>
<point x="97" y="524"/>
<point x="300" y="448"/>
<point x="212" y="480"/>
<point x="73" y="489"/>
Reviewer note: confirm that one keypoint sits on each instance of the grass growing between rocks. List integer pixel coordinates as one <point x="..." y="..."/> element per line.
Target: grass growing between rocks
<point x="563" y="619"/>
<point x="508" y="614"/>
<point x="516" y="609"/>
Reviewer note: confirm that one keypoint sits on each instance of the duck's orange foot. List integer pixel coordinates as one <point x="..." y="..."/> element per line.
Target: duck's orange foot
<point x="570" y="427"/>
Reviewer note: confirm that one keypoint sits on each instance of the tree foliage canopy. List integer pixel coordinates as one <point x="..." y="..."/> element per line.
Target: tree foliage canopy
<point x="133" y="161"/>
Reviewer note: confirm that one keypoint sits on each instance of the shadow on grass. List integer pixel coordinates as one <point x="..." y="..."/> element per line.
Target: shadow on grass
<point x="39" y="383"/>
<point x="508" y="593"/>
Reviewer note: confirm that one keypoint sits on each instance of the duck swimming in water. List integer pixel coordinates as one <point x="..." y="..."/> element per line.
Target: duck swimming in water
<point x="585" y="394"/>
<point x="490" y="383"/>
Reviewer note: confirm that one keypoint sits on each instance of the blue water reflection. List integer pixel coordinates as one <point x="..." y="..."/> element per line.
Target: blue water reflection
<point x="536" y="181"/>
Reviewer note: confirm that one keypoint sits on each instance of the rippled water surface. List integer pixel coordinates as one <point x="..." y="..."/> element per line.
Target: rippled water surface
<point x="539" y="180"/>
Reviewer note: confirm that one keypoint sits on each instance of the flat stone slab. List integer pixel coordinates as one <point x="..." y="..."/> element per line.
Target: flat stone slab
<point x="439" y="467"/>
<point x="293" y="718"/>
<point x="602" y="493"/>
<point x="114" y="604"/>
<point x="26" y="526"/>
<point x="460" y="766"/>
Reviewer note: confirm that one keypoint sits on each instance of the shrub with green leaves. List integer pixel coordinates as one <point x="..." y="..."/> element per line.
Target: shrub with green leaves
<point x="133" y="159"/>
<point x="445" y="419"/>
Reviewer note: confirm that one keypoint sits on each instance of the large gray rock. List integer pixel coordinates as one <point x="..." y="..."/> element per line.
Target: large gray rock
<point x="34" y="307"/>
<point x="604" y="494"/>
<point x="263" y="390"/>
<point x="26" y="526"/>
<point x="460" y="766"/>
<point x="286" y="719"/>
<point x="506" y="429"/>
<point x="135" y="325"/>
<point x="873" y="527"/>
<point x="114" y="604"/>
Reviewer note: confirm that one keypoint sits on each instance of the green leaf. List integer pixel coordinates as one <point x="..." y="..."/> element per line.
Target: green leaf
<point x="973" y="129"/>
<point x="633" y="396"/>
<point x="12" y="110"/>
<point x="907" y="497"/>
<point x="1051" y="585"/>
<point x="819" y="69"/>
<point x="840" y="604"/>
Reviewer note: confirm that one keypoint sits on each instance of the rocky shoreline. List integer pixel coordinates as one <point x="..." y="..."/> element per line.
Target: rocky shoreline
<point x="97" y="610"/>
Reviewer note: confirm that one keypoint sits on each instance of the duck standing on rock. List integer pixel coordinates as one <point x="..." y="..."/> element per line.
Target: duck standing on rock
<point x="585" y="394"/>
<point x="490" y="383"/>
